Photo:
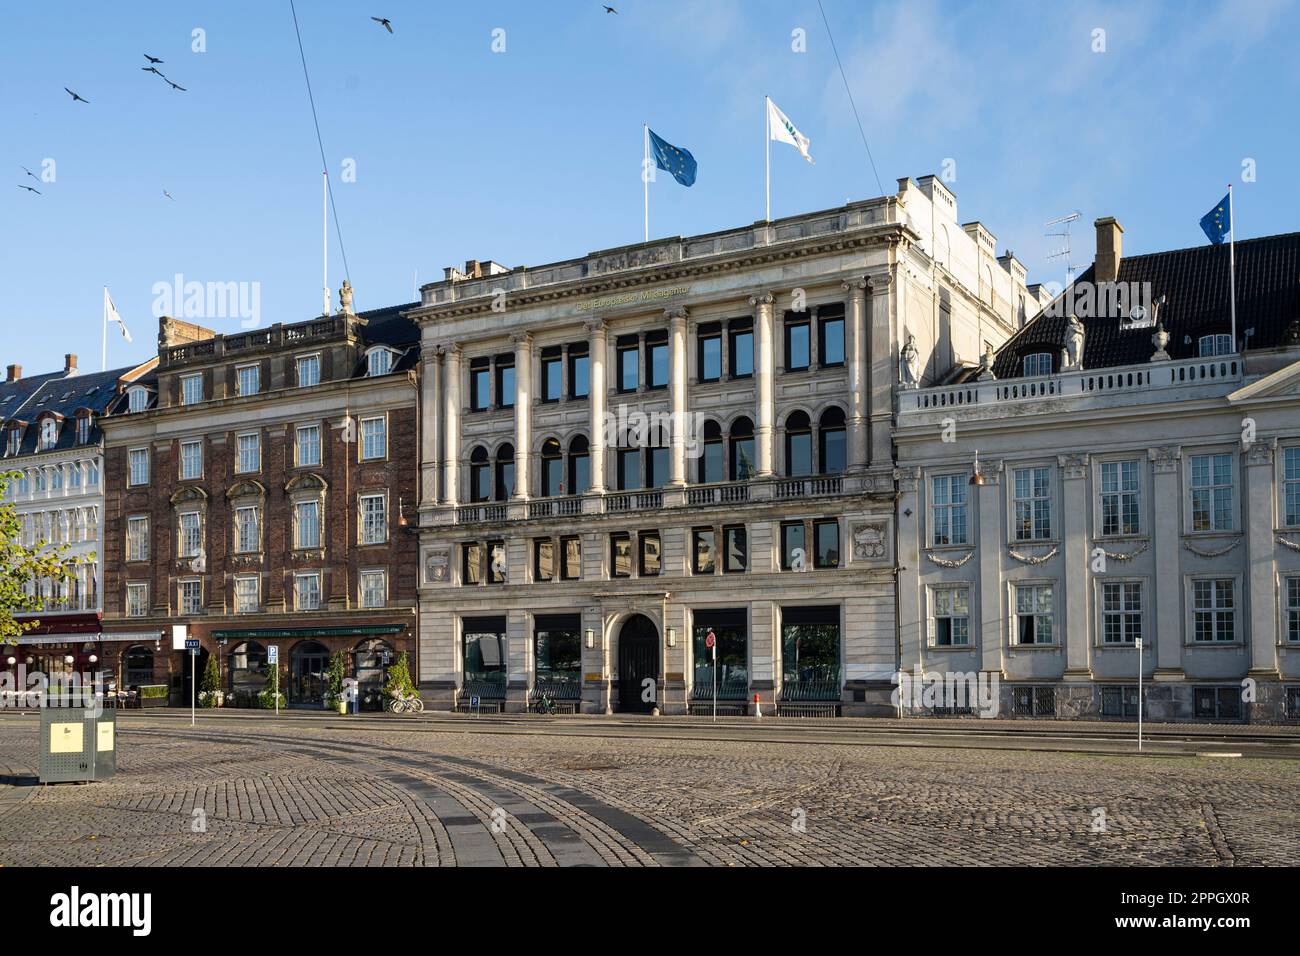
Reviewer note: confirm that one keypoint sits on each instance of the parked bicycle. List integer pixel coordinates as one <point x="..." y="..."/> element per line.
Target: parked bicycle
<point x="545" y="704"/>
<point x="406" y="705"/>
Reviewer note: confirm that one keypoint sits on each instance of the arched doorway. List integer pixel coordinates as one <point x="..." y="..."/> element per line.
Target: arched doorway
<point x="370" y="667"/>
<point x="247" y="670"/>
<point x="308" y="663"/>
<point x="638" y="662"/>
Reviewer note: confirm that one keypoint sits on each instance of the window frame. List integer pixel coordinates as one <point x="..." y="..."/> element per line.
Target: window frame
<point x="804" y="323"/>
<point x="362" y="590"/>
<point x="240" y="528"/>
<point x="245" y="579"/>
<point x="188" y="379"/>
<point x="298" y="578"/>
<point x="1119" y="495"/>
<point x="1190" y="609"/>
<point x="181" y="585"/>
<point x="1190" y="489"/>
<point x="298" y="362"/>
<point x="1035" y="585"/>
<point x="256" y="369"/>
<point x="298" y="445"/>
<point x="1016" y="500"/>
<point x="368" y="534"/>
<point x="1038" y="359"/>
<point x="935" y="614"/>
<point x="817" y="525"/>
<point x="128" y="607"/>
<point x="239" y="452"/>
<point x="361" y="437"/>
<point x="184" y="461"/>
<point x="1289" y="487"/>
<point x="949" y="480"/>
<point x="1102" y="614"/>
<point x="145" y="456"/>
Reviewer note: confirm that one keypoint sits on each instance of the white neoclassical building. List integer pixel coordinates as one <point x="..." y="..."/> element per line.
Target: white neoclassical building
<point x="661" y="475"/>
<point x="1130" y="478"/>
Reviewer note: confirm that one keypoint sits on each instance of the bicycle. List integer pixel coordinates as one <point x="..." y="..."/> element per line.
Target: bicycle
<point x="545" y="704"/>
<point x="405" y="705"/>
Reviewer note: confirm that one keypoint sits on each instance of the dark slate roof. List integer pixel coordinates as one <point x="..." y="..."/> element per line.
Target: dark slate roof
<point x="388" y="326"/>
<point x="1195" y="284"/>
<point x="60" y="393"/>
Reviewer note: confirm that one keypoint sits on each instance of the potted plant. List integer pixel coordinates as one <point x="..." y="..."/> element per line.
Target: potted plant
<point x="400" y="686"/>
<point x="210" y="693"/>
<point x="153" y="695"/>
<point x="334" y="697"/>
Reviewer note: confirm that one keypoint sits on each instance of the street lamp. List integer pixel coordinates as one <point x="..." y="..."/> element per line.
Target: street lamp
<point x="591" y="638"/>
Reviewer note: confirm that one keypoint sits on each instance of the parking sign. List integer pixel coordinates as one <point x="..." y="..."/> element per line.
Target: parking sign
<point x="273" y="654"/>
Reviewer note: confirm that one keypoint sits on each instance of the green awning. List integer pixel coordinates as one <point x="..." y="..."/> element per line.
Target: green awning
<point x="253" y="633"/>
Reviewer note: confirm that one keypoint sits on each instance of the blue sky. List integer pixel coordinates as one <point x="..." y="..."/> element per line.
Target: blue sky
<point x="533" y="154"/>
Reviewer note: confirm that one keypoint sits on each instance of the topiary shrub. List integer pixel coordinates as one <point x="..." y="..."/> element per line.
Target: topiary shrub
<point x="400" y="685"/>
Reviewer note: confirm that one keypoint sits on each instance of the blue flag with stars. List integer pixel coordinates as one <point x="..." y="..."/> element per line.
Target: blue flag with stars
<point x="1217" y="223"/>
<point x="670" y="159"/>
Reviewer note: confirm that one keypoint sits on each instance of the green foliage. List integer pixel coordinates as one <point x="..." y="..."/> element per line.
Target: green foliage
<point x="211" y="682"/>
<point x="334" y="675"/>
<point x="266" y="699"/>
<point x="20" y="564"/>
<point x="154" y="691"/>
<point x="399" y="684"/>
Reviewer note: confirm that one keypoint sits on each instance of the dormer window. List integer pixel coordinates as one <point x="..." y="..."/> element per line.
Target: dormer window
<point x="49" y="433"/>
<point x="1040" y="363"/>
<point x="136" y="399"/>
<point x="1209" y="346"/>
<point x="15" y="442"/>
<point x="379" y="361"/>
<point x="83" y="429"/>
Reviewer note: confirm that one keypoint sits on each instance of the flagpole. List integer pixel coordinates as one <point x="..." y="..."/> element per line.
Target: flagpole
<point x="325" y="241"/>
<point x="103" y="335"/>
<point x="767" y="157"/>
<point x="1232" y="268"/>
<point x="645" y="176"/>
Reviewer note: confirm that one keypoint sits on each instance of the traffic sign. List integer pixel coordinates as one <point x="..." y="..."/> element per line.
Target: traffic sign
<point x="273" y="654"/>
<point x="709" y="639"/>
<point x="191" y="643"/>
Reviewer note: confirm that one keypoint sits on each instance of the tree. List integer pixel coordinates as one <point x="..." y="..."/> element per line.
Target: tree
<point x="20" y="565"/>
<point x="335" y="676"/>
<point x="211" y="682"/>
<point x="400" y="684"/>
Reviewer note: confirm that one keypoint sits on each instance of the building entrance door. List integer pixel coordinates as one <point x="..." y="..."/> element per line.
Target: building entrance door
<point x="307" y="669"/>
<point x="638" y="665"/>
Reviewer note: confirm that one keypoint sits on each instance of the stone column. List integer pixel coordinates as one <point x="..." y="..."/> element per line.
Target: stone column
<point x="430" y="426"/>
<point x="912" y="630"/>
<point x="596" y="331"/>
<point x="523" y="343"/>
<point x="1075" y="566"/>
<point x="764" y="383"/>
<point x="677" y="393"/>
<point x="518" y="664"/>
<point x="854" y="341"/>
<point x="883" y="363"/>
<point x="451" y="424"/>
<point x="1261" y="565"/>
<point x="1166" y="536"/>
<point x="993" y="627"/>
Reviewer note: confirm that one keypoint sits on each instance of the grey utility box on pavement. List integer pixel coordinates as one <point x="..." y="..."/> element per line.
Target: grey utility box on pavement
<point x="77" y="744"/>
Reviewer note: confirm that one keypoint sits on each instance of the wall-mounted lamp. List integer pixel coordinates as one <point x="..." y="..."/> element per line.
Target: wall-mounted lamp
<point x="976" y="477"/>
<point x="93" y="658"/>
<point x="68" y="659"/>
<point x="13" y="661"/>
<point x="672" y="637"/>
<point x="401" y="513"/>
<point x="591" y="638"/>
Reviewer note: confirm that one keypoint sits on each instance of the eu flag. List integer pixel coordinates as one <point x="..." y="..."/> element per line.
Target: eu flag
<point x="669" y="158"/>
<point x="1217" y="223"/>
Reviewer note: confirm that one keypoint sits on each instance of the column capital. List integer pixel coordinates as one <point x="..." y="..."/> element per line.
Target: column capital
<point x="1164" y="459"/>
<point x="880" y="282"/>
<point x="762" y="298"/>
<point x="521" y="338"/>
<point x="676" y="312"/>
<point x="1073" y="466"/>
<point x="1260" y="452"/>
<point x="447" y="348"/>
<point x="849" y="285"/>
<point x="595" y="327"/>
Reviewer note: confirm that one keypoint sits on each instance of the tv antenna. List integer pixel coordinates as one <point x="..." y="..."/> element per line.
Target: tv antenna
<point x="1064" y="252"/>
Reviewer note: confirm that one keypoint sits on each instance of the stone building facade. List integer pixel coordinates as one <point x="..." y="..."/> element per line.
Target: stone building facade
<point x="259" y="487"/>
<point x="646" y="456"/>
<point x="1130" y="476"/>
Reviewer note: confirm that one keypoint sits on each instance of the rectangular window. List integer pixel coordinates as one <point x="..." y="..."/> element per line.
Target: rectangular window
<point x="191" y="596"/>
<point x="579" y="372"/>
<point x="137" y="599"/>
<point x="1217" y="703"/>
<point x="1034" y="614"/>
<point x="191" y="459"/>
<point x="1118" y="700"/>
<point x="826" y="543"/>
<point x="793" y="554"/>
<point x="496" y="566"/>
<point x="139" y="466"/>
<point x="830" y="340"/>
<point x="620" y="555"/>
<point x="250" y="452"/>
<point x="92" y="476"/>
<point x="703" y="550"/>
<point x="248" y="536"/>
<point x="797" y="342"/>
<point x="306" y="522"/>
<point x="543" y="559"/>
<point x="191" y="535"/>
<point x="306" y="591"/>
<point x="629" y="469"/>
<point x="374" y="519"/>
<point x="307" y="446"/>
<point x="1291" y="624"/>
<point x="1119" y="497"/>
<point x="246" y="594"/>
<point x="657" y="468"/>
<point x="735" y="555"/>
<point x="191" y="389"/>
<point x="948" y="508"/>
<point x="708" y="352"/>
<point x="374" y="588"/>
<point x="1214" y="610"/>
<point x="1121" y="612"/>
<point x="1291" y="486"/>
<point x="471" y="563"/>
<point x="1211" y="478"/>
<point x="1033" y="503"/>
<point x="374" y="438"/>
<point x="83" y="429"/>
<point x="571" y="558"/>
<point x="629" y="364"/>
<point x="656" y="360"/>
<point x="248" y="379"/>
<point x="308" y="371"/>
<point x="480" y="384"/>
<point x="651" y="557"/>
<point x="379" y="362"/>
<point x="137" y="538"/>
<point x="505" y="382"/>
<point x="1038" y="364"/>
<point x="951" y="617"/>
<point x="552" y="368"/>
<point x="741" y="335"/>
<point x="1208" y="346"/>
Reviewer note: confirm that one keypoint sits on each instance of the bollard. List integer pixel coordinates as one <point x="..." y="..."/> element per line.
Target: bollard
<point x="758" y="707"/>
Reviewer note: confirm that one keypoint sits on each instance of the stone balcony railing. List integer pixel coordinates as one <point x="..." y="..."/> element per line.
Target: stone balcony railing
<point x="1151" y="383"/>
<point x="272" y="337"/>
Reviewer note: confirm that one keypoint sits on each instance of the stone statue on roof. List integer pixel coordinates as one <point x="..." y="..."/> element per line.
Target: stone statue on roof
<point x="909" y="364"/>
<point x="1073" y="354"/>
<point x="345" y="298"/>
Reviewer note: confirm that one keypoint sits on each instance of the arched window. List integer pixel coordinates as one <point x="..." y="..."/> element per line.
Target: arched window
<point x="713" y="462"/>
<point x="742" y="449"/>
<point x="552" y="469"/>
<point x="1037" y="363"/>
<point x="505" y="472"/>
<point x="831" y="447"/>
<point x="137" y="666"/>
<point x="480" y="475"/>
<point x="247" y="666"/>
<point x="798" y="445"/>
<point x="579" y="465"/>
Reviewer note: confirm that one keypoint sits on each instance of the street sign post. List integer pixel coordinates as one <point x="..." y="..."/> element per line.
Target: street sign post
<point x="1139" y="647"/>
<point x="473" y="704"/>
<point x="711" y="642"/>
<point x="273" y="660"/>
<point x="192" y="645"/>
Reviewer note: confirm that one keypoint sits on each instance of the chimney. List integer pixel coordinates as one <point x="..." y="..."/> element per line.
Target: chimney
<point x="70" y="364"/>
<point x="1110" y="245"/>
<point x="13" y="373"/>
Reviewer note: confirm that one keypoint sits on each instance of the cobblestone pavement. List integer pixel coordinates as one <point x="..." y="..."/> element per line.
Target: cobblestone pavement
<point x="247" y="793"/>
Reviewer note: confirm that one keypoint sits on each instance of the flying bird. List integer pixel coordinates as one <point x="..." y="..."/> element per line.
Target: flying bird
<point x="168" y="195"/>
<point x="175" y="86"/>
<point x="609" y="9"/>
<point x="30" y="173"/>
<point x="75" y="97"/>
<point x="152" y="69"/>
<point x="30" y="189"/>
<point x="384" y="22"/>
<point x="152" y="59"/>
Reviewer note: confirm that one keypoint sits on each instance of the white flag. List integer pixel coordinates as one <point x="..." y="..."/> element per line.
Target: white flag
<point x="110" y="315"/>
<point x="783" y="131"/>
